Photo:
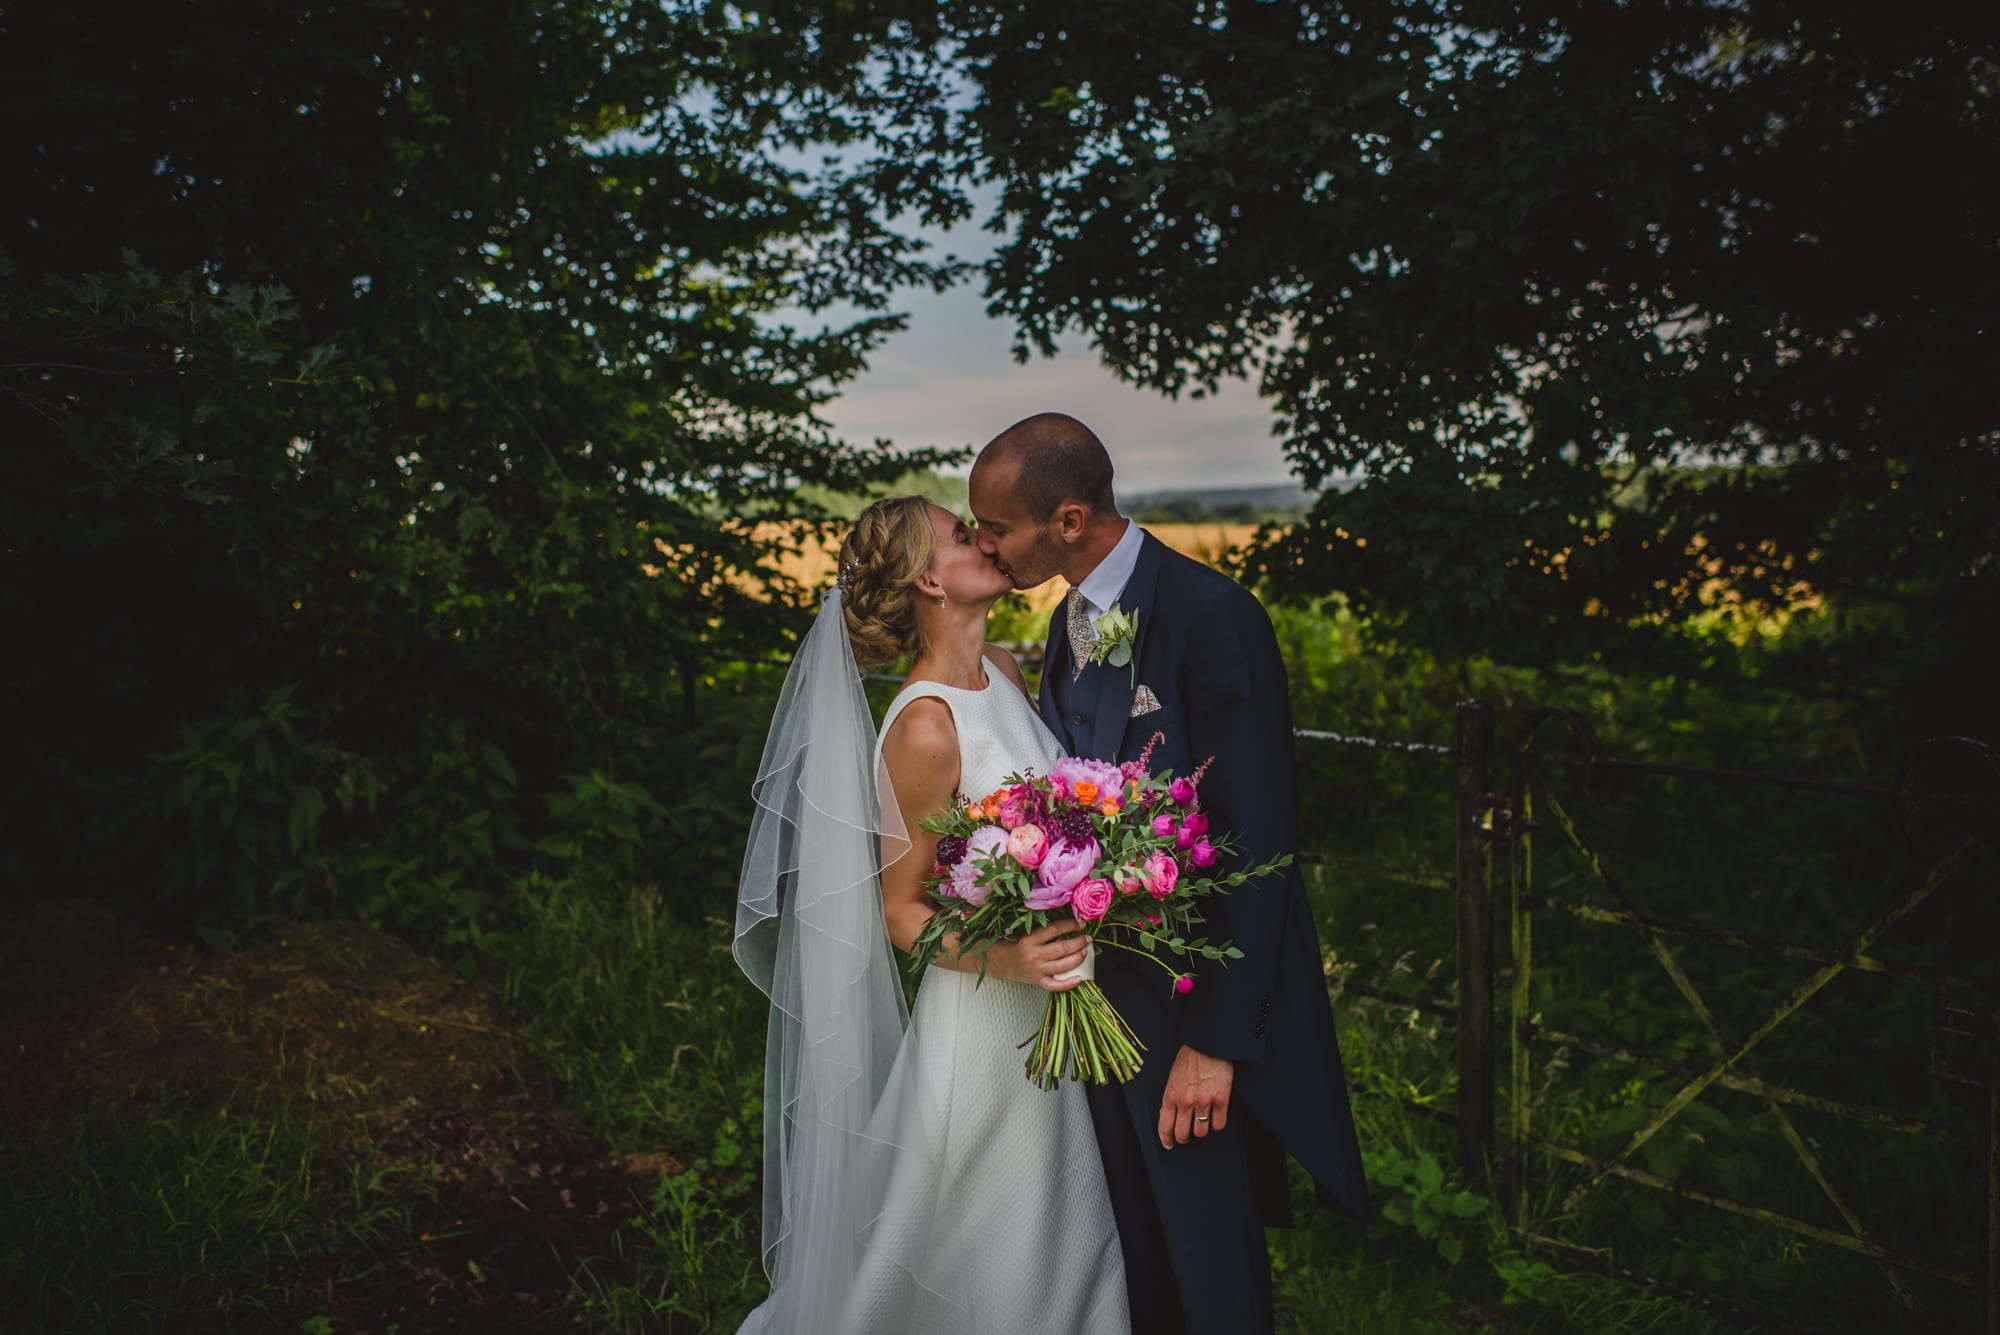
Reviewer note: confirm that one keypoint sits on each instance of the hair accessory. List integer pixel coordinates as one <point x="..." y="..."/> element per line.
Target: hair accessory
<point x="848" y="571"/>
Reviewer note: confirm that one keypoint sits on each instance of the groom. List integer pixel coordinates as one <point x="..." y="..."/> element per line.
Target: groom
<point x="1245" y="1067"/>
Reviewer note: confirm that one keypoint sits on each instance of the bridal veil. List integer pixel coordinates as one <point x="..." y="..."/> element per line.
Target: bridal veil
<point x="810" y="934"/>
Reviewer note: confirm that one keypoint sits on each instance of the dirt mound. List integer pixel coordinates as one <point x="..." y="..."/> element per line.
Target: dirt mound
<point x="355" y="1015"/>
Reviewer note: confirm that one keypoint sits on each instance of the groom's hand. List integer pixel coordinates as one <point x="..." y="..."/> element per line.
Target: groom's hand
<point x="1197" y="1100"/>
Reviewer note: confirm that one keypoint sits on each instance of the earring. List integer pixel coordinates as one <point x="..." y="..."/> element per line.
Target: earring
<point x="940" y="600"/>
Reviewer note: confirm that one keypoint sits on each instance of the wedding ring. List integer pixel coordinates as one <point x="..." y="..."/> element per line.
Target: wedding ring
<point x="1201" y="1117"/>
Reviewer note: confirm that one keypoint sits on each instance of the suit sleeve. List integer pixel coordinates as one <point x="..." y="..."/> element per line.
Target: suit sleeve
<point x="1239" y="712"/>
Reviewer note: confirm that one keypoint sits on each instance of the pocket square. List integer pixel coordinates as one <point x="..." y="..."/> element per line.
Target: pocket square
<point x="1143" y="702"/>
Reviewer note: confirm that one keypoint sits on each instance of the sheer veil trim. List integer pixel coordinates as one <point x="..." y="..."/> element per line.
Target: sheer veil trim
<point x="810" y="934"/>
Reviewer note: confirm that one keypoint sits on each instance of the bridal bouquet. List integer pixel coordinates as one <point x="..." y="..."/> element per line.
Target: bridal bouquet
<point x="1123" y="851"/>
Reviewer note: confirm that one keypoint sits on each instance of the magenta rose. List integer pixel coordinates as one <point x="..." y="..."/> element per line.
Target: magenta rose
<point x="1063" y="868"/>
<point x="1092" y="899"/>
<point x="1164" y="825"/>
<point x="1013" y="810"/>
<point x="1197" y="823"/>
<point x="1181" y="790"/>
<point x="1185" y="839"/>
<point x="1027" y="844"/>
<point x="1162" y="875"/>
<point x="1203" y="855"/>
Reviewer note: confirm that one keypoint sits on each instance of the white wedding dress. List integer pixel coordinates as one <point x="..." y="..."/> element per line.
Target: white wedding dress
<point x="991" y="1216"/>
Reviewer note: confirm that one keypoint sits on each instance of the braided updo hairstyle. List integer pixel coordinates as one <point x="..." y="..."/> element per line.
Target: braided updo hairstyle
<point x="892" y="543"/>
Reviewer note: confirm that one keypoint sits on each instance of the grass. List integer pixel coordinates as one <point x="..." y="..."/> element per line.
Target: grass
<point x="651" y="1031"/>
<point x="622" y="1000"/>
<point x="157" y="1215"/>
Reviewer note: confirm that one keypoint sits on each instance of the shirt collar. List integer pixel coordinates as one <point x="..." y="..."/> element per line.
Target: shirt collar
<point x="1102" y="586"/>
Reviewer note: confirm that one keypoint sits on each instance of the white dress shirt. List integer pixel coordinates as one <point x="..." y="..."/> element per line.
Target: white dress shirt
<point x="1102" y="586"/>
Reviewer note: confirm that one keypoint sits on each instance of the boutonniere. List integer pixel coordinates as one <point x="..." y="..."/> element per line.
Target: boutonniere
<point x="1115" y="629"/>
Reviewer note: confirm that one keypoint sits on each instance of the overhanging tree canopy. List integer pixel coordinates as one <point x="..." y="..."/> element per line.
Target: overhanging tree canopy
<point x="417" y="371"/>
<point x="1610" y="307"/>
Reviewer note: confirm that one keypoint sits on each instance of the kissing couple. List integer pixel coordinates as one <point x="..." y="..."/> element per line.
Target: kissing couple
<point x="915" y="1181"/>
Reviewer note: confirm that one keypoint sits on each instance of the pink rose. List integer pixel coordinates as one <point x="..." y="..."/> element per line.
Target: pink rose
<point x="1196" y="822"/>
<point x="1012" y="812"/>
<point x="1027" y="845"/>
<point x="1162" y="875"/>
<point x="1063" y="867"/>
<point x="1092" y="899"/>
<point x="1185" y="839"/>
<point x="1163" y="825"/>
<point x="1203" y="855"/>
<point x="1181" y="791"/>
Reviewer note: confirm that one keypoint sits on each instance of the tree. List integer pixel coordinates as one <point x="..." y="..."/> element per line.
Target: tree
<point x="391" y="392"/>
<point x="1624" y="312"/>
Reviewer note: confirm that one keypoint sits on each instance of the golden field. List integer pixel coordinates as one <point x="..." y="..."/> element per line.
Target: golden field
<point x="1204" y="542"/>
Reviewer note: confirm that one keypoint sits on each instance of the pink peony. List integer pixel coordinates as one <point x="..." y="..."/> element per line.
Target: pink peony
<point x="1162" y="875"/>
<point x="980" y="847"/>
<point x="1092" y="899"/>
<point x="1064" y="866"/>
<point x="1073" y="770"/>
<point x="1164" y="825"/>
<point x="960" y="882"/>
<point x="1027" y="845"/>
<point x="1203" y="855"/>
<point x="1181" y="791"/>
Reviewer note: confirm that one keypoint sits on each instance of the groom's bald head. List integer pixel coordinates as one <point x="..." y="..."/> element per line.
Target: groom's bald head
<point x="1048" y="459"/>
<point x="1041" y="493"/>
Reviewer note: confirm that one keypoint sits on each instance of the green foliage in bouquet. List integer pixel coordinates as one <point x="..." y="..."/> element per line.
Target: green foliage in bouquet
<point x="1125" y="853"/>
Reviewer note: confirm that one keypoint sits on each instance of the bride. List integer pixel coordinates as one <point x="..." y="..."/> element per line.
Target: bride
<point x="914" y="1180"/>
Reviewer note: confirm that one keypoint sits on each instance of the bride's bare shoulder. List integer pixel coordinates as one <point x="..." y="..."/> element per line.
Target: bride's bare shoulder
<point x="1010" y="667"/>
<point x="922" y="732"/>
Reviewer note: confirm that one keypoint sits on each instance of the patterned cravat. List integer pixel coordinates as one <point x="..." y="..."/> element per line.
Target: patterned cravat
<point x="1081" y="636"/>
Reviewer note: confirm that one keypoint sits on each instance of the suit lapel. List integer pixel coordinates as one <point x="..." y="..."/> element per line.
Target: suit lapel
<point x="1055" y="659"/>
<point x="1116" y="685"/>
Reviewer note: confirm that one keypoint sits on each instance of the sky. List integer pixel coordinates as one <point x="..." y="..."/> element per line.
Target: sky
<point x="950" y="379"/>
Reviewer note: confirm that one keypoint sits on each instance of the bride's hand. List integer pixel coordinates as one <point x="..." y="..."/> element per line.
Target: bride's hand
<point x="1040" y="955"/>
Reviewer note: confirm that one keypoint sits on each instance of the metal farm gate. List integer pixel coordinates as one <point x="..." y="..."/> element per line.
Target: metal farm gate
<point x="1512" y="812"/>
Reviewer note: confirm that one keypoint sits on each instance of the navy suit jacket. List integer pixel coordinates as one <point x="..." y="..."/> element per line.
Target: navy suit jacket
<point x="1205" y="648"/>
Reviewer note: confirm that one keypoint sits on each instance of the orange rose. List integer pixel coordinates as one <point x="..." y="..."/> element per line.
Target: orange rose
<point x="1109" y="806"/>
<point x="1086" y="792"/>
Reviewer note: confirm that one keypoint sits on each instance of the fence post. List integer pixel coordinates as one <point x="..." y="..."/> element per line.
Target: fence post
<point x="1474" y="751"/>
<point x="1993" y="1186"/>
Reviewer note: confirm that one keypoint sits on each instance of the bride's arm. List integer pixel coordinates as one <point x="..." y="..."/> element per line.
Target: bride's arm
<point x="921" y="753"/>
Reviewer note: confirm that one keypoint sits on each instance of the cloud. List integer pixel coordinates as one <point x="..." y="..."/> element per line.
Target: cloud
<point x="949" y="379"/>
